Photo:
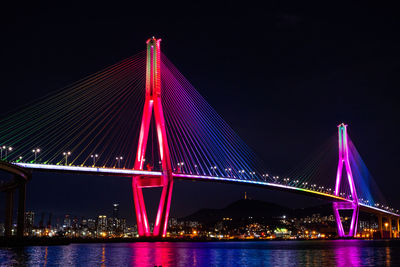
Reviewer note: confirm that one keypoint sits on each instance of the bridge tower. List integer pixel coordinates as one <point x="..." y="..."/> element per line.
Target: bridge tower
<point x="153" y="102"/>
<point x="353" y="205"/>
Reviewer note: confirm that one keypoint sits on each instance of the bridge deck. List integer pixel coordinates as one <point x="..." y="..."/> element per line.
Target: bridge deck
<point x="182" y="176"/>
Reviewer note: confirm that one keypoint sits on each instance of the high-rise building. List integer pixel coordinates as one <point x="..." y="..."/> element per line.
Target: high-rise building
<point x="29" y="222"/>
<point x="67" y="221"/>
<point x="122" y="226"/>
<point x="75" y="223"/>
<point x="29" y="219"/>
<point x="102" y="225"/>
<point x="115" y="210"/>
<point x="91" y="224"/>
<point x="114" y="222"/>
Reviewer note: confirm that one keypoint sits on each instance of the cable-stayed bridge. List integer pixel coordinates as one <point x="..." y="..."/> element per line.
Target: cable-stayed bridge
<point x="141" y="118"/>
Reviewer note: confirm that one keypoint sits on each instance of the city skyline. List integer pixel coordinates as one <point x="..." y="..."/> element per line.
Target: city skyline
<point x="235" y="221"/>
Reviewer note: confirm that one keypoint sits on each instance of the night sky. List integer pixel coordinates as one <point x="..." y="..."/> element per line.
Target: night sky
<point x="283" y="75"/>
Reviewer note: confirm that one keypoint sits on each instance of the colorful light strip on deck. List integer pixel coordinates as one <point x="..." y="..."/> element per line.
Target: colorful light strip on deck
<point x="89" y="170"/>
<point x="125" y="172"/>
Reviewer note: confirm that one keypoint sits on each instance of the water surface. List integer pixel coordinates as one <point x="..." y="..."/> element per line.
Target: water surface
<point x="266" y="253"/>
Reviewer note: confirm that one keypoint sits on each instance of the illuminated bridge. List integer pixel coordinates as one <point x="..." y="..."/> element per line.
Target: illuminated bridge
<point x="141" y="119"/>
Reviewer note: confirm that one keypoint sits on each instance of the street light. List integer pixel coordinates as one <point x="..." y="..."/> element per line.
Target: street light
<point x="228" y="171"/>
<point x="180" y="166"/>
<point x="94" y="157"/>
<point x="5" y="148"/>
<point x="313" y="186"/>
<point x="66" y="154"/>
<point x="213" y="168"/>
<point x="197" y="169"/>
<point x="8" y="149"/>
<point x="36" y="151"/>
<point x="119" y="160"/>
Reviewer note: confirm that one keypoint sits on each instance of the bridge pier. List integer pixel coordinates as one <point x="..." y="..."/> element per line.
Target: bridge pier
<point x="390" y="227"/>
<point x="21" y="210"/>
<point x="380" y="229"/>
<point x="9" y="213"/>
<point x="398" y="227"/>
<point x="21" y="178"/>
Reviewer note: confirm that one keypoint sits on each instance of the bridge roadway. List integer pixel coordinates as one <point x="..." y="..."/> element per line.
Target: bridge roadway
<point x="183" y="176"/>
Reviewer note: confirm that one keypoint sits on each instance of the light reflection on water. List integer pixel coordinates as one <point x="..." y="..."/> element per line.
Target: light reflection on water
<point x="268" y="253"/>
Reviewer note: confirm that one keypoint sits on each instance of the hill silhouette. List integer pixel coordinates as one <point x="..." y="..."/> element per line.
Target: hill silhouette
<point x="256" y="210"/>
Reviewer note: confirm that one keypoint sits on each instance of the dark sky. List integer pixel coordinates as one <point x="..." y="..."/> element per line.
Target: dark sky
<point x="282" y="74"/>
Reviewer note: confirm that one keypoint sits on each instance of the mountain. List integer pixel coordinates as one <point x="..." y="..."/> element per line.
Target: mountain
<point x="256" y="209"/>
<point x="241" y="210"/>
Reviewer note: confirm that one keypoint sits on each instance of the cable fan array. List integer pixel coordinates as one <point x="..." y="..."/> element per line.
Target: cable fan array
<point x="201" y="142"/>
<point x="367" y="189"/>
<point x="96" y="122"/>
<point x="91" y="122"/>
<point x="319" y="171"/>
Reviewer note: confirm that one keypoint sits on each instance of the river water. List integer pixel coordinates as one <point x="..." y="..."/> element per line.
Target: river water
<point x="268" y="253"/>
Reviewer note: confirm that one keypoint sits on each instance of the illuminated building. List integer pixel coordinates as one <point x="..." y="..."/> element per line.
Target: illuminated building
<point x="29" y="221"/>
<point x="67" y="221"/>
<point x="101" y="225"/>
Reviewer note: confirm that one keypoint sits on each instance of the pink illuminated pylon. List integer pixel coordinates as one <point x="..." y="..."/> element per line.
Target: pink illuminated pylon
<point x="153" y="102"/>
<point x="353" y="205"/>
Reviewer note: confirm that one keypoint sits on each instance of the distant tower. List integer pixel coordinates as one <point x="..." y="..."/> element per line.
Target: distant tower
<point x="115" y="210"/>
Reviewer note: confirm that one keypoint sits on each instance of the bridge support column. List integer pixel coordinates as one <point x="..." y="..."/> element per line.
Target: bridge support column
<point x="140" y="209"/>
<point x="352" y="204"/>
<point x="390" y="227"/>
<point x="21" y="210"/>
<point x="398" y="227"/>
<point x="153" y="102"/>
<point x="337" y="206"/>
<point x="9" y="213"/>
<point x="380" y="229"/>
<point x="161" y="223"/>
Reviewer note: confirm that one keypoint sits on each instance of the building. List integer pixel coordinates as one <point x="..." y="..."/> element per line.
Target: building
<point x="67" y="221"/>
<point x="29" y="222"/>
<point x="115" y="210"/>
<point x="102" y="226"/>
<point x="91" y="225"/>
